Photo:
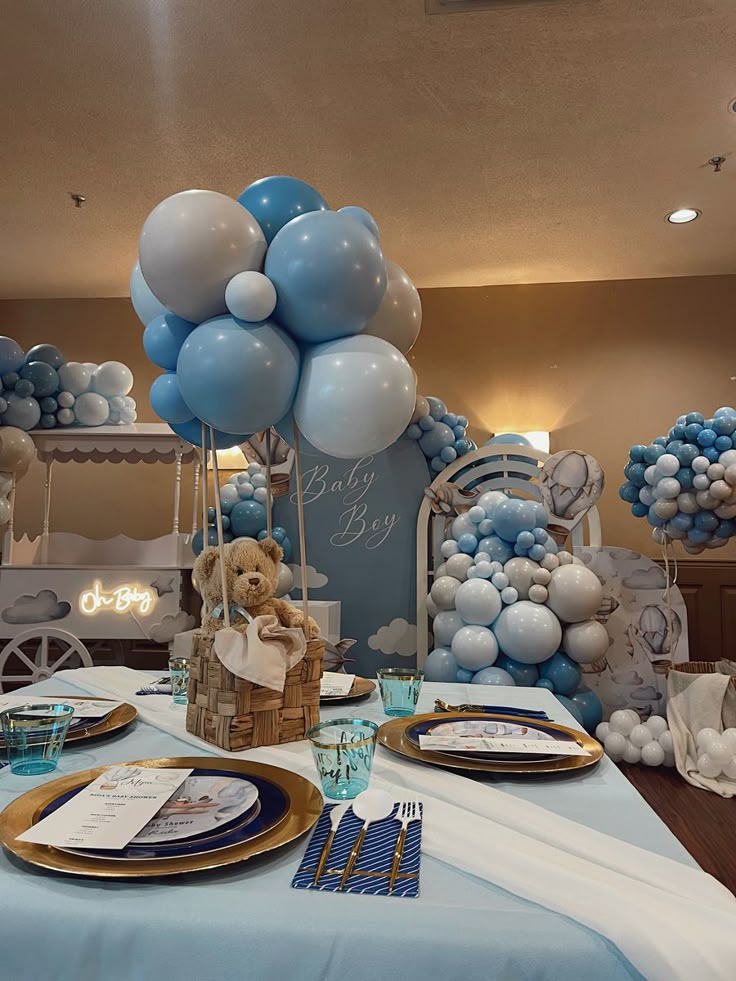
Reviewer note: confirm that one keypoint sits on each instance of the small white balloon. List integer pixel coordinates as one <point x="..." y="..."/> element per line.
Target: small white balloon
<point x="701" y="481"/>
<point x="250" y="296"/>
<point x="285" y="580"/>
<point x="726" y="511"/>
<point x="76" y="378"/>
<point x="652" y="754"/>
<point x="485" y="557"/>
<point x="538" y="594"/>
<point x="585" y="642"/>
<point x="66" y="400"/>
<point x="550" y="562"/>
<point x="668" y="487"/>
<point x="657" y="725"/>
<point x="729" y="474"/>
<point x="509" y="595"/>
<point x="432" y="609"/>
<point x="483" y="570"/>
<point x="259" y="480"/>
<point x="706" y="500"/>
<point x="496" y="566"/>
<point x="449" y="547"/>
<point x="668" y="465"/>
<point x="5" y="511"/>
<point x="646" y="495"/>
<point x="715" y="471"/>
<point x="622" y="722"/>
<point x="476" y="514"/>
<point x="458" y="565"/>
<point x="665" y="509"/>
<point x="112" y="378"/>
<point x="90" y="409"/>
<point x="729" y="737"/>
<point x="720" y="490"/>
<point x="439" y="572"/>
<point x="704" y="737"/>
<point x="640" y="735"/>
<point x="651" y="476"/>
<point x="686" y="503"/>
<point x="666" y="742"/>
<point x="260" y="494"/>
<point x="719" y="751"/>
<point x="500" y="580"/>
<point x="729" y="770"/>
<point x="708" y="767"/>
<point x="632" y="753"/>
<point x="421" y="408"/>
<point x="727" y="458"/>
<point x="602" y="730"/>
<point x="615" y="746"/>
<point x="542" y="576"/>
<point x="564" y="558"/>
<point x="700" y="464"/>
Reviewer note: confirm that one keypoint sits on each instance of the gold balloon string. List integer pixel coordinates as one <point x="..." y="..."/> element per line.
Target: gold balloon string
<point x="666" y="545"/>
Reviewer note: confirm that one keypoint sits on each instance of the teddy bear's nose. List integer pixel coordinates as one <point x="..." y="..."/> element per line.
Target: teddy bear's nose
<point x="254" y="580"/>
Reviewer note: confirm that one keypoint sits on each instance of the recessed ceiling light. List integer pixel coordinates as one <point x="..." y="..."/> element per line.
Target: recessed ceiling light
<point x="682" y="216"/>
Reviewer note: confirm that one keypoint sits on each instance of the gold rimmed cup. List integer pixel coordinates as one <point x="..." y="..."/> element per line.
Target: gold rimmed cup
<point x="400" y="689"/>
<point x="343" y="754"/>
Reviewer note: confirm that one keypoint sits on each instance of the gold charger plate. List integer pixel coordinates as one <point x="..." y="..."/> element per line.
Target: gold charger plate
<point x="306" y="807"/>
<point x="362" y="687"/>
<point x="392" y="736"/>
<point x="118" y="718"/>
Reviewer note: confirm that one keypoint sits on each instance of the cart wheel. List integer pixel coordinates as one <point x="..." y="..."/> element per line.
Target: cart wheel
<point x="42" y="650"/>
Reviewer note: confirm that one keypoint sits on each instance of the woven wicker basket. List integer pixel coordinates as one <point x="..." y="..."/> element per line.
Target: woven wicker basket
<point x="236" y="714"/>
<point x="701" y="667"/>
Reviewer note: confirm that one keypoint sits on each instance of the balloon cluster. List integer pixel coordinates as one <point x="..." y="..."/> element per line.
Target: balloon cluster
<point x="684" y="484"/>
<point x="17" y="452"/>
<point x="43" y="388"/>
<point x="272" y="304"/>
<point x="716" y="753"/>
<point x="626" y="738"/>
<point x="442" y="435"/>
<point x="509" y="608"/>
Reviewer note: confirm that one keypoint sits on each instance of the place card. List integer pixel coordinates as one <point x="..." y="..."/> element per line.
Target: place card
<point x="84" y="708"/>
<point x="499" y="744"/>
<point x="335" y="684"/>
<point x="111" y="810"/>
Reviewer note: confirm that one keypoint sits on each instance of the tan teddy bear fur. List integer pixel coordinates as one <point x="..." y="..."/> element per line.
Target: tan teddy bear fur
<point x="251" y="570"/>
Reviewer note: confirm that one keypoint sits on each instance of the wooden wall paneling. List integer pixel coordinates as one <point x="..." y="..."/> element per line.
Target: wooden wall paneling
<point x="709" y="591"/>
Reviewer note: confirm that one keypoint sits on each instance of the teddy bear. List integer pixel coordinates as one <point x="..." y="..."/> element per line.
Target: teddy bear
<point x="251" y="570"/>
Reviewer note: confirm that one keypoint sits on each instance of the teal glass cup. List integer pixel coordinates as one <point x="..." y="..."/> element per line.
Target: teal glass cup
<point x="343" y="752"/>
<point x="400" y="689"/>
<point x="179" y="671"/>
<point x="34" y="735"/>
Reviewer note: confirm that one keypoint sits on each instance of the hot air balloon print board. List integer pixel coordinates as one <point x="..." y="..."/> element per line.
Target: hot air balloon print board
<point x="646" y="637"/>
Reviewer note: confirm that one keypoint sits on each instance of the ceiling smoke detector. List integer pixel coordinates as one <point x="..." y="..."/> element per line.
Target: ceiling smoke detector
<point x="467" y="6"/>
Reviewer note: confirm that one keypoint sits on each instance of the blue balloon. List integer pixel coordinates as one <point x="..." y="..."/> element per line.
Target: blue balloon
<point x="329" y="274"/>
<point x="48" y="420"/>
<point x="361" y="215"/>
<point x="677" y="432"/>
<point x="248" y="518"/>
<point x="705" y="521"/>
<point x="629" y="492"/>
<point x="589" y="706"/>
<point x="44" y="378"/>
<point x="524" y="675"/>
<point x="706" y="437"/>
<point x="11" y="355"/>
<point x="684" y="477"/>
<point x="25" y="413"/>
<point x="48" y="353"/>
<point x="660" y="441"/>
<point x="167" y="401"/>
<point x="459" y="431"/>
<point x="48" y="404"/>
<point x="572" y="708"/>
<point x="448" y="454"/>
<point x="636" y="453"/>
<point x="537" y="552"/>
<point x="653" y="518"/>
<point x="725" y="410"/>
<point x="726" y="529"/>
<point x="695" y="417"/>
<point x="413" y="432"/>
<point x="508" y="438"/>
<point x="674" y="446"/>
<point x="10" y="380"/>
<point x="275" y="201"/>
<point x="24" y="388"/>
<point x="699" y="536"/>
<point x="437" y="408"/>
<point x="439" y="437"/>
<point x="723" y="443"/>
<point x="145" y="304"/>
<point x="563" y="672"/>
<point x="211" y="515"/>
<point x="639" y="510"/>
<point x="544" y="683"/>
<point x="463" y="446"/>
<point x="681" y="521"/>
<point x="711" y="454"/>
<point x="464" y="676"/>
<point x="497" y="548"/>
<point x="636" y="474"/>
<point x="163" y="338"/>
<point x="192" y="432"/>
<point x="426" y="423"/>
<point x="725" y="424"/>
<point x="467" y="543"/>
<point x="493" y="676"/>
<point x="692" y="431"/>
<point x="238" y="376"/>
<point x="449" y="419"/>
<point x="652" y="453"/>
<point x="279" y="536"/>
<point x="441" y="666"/>
<point x="199" y="538"/>
<point x="513" y="516"/>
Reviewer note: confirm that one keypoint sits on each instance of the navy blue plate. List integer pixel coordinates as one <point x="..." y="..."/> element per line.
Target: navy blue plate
<point x="417" y="729"/>
<point x="268" y="811"/>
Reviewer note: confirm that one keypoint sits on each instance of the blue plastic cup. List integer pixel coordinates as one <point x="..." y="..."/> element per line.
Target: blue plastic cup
<point x="343" y="754"/>
<point x="34" y="735"/>
<point x="400" y="689"/>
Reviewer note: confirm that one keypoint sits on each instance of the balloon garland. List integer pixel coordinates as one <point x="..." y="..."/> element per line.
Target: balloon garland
<point x="684" y="484"/>
<point x="41" y="388"/>
<point x="441" y="435"/>
<point x="272" y="305"/>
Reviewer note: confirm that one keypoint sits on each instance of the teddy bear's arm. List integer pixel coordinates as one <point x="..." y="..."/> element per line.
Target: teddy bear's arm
<point x="290" y="616"/>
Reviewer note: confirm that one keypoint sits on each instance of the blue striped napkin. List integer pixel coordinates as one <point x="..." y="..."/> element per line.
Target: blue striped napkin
<point x="373" y="867"/>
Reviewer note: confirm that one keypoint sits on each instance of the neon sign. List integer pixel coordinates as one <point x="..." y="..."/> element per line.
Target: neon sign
<point x="122" y="599"/>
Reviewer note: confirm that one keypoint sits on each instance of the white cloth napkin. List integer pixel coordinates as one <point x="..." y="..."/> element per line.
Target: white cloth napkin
<point x="695" y="702"/>
<point x="673" y="922"/>
<point x="263" y="653"/>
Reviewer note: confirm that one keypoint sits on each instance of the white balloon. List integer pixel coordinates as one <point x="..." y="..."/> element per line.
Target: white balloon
<point x="90" y="409"/>
<point x="484" y="570"/>
<point x="5" y="511"/>
<point x="727" y="458"/>
<point x="75" y="378"/>
<point x="729" y="770"/>
<point x="720" y="490"/>
<point x="640" y="735"/>
<point x="285" y="580"/>
<point x="665" y="509"/>
<point x="542" y="576"/>
<point x="646" y="495"/>
<point x="250" y="296"/>
<point x="701" y="481"/>
<point x="585" y="642"/>
<point x="726" y="511"/>
<point x="706" y="500"/>
<point x="480" y="557"/>
<point x="704" y="737"/>
<point x="112" y="378"/>
<point x="550" y="562"/>
<point x="666" y="742"/>
<point x="432" y="609"/>
<point x="615" y="746"/>
<point x="686" y="503"/>
<point x="528" y="632"/>
<point x="650" y="475"/>
<point x="537" y="593"/>
<point x="509" y="595"/>
<point x="602" y="730"/>
<point x="719" y="751"/>
<point x="621" y="721"/>
<point x="632" y="753"/>
<point x="191" y="246"/>
<point x="729" y="474"/>
<point x="657" y="725"/>
<point x="478" y="602"/>
<point x="443" y="592"/>
<point x="708" y="767"/>
<point x="462" y="525"/>
<point x="700" y="464"/>
<point x="399" y="317"/>
<point x="520" y="574"/>
<point x="449" y="547"/>
<point x="652" y="755"/>
<point x="490" y="500"/>
<point x="729" y="737"/>
<point x="6" y="483"/>
<point x="458" y="565"/>
<point x="564" y="558"/>
<point x="421" y="408"/>
<point x="668" y="487"/>
<point x="500" y="580"/>
<point x="667" y="465"/>
<point x="474" y="647"/>
<point x="715" y="471"/>
<point x="444" y="627"/>
<point x="575" y="593"/>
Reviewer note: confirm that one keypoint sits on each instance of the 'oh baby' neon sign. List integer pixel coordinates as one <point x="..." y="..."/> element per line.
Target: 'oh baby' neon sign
<point x="125" y="598"/>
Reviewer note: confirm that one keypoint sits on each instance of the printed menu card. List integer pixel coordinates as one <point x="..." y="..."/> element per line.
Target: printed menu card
<point x="335" y="683"/>
<point x="110" y="811"/>
<point x="84" y="708"/>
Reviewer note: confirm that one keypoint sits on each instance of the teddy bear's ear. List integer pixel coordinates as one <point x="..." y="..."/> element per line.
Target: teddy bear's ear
<point x="272" y="549"/>
<point x="205" y="563"/>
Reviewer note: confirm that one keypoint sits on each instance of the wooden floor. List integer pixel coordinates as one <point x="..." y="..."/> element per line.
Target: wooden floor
<point x="705" y="823"/>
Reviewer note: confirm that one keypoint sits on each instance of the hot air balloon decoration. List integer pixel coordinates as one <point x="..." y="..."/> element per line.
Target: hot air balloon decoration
<point x="658" y="636"/>
<point x="609" y="605"/>
<point x="570" y="482"/>
<point x="282" y="459"/>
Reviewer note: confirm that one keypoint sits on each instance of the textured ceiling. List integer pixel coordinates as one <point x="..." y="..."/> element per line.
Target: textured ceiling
<point x="532" y="143"/>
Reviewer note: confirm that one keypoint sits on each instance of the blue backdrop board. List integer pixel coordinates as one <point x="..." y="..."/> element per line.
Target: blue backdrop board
<point x="360" y="518"/>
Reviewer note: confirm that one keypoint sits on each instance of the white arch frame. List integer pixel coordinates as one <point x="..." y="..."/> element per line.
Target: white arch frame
<point x="39" y="668"/>
<point x="495" y="470"/>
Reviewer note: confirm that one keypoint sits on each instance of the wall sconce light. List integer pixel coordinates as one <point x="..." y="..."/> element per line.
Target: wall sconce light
<point x="230" y="459"/>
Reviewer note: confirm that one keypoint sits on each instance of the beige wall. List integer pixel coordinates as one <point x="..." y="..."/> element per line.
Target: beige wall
<point x="600" y="365"/>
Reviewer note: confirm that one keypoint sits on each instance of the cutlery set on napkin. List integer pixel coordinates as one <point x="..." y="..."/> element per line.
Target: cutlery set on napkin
<point x="370" y="845"/>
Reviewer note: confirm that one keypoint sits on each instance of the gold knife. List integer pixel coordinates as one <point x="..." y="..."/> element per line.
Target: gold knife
<point x="336" y="815"/>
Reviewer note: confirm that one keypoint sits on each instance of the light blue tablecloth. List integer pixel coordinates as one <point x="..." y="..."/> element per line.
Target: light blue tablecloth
<point x="248" y="923"/>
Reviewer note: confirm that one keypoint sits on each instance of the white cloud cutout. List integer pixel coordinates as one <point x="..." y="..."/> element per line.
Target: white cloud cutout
<point x="651" y="578"/>
<point x="629" y="678"/>
<point x="41" y="608"/>
<point x="165" y="631"/>
<point x="397" y="637"/>
<point x="315" y="580"/>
